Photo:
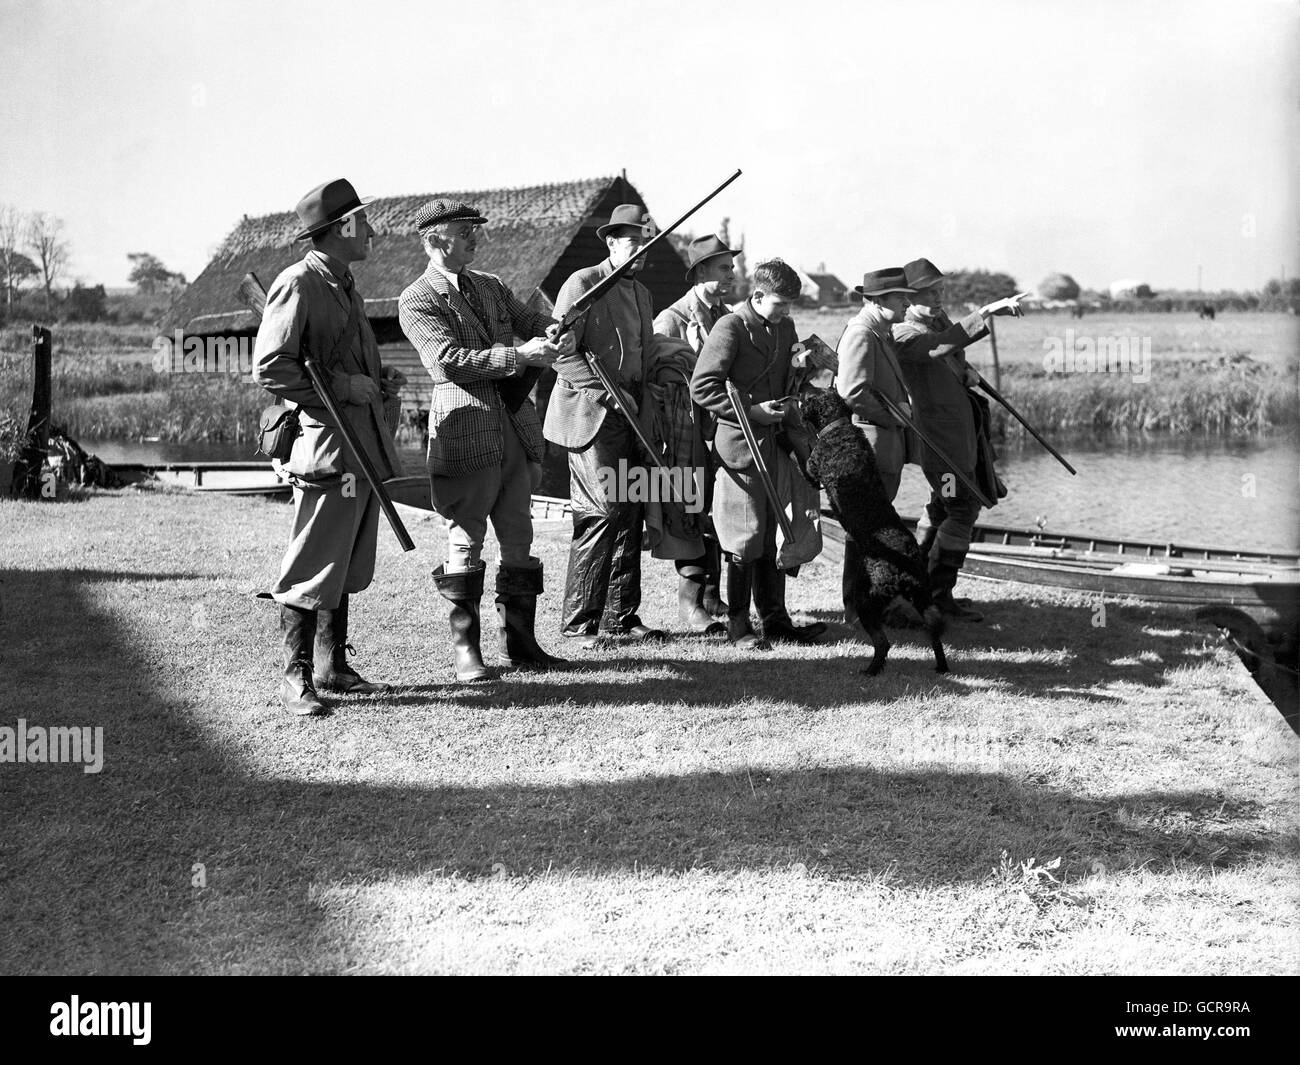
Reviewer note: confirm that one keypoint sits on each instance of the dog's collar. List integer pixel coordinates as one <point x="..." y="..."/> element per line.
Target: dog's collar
<point x="834" y="425"/>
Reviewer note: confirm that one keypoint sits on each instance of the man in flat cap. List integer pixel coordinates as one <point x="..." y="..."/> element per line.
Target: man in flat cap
<point x="931" y="351"/>
<point x="603" y="591"/>
<point x="313" y="308"/>
<point x="485" y="440"/>
<point x="752" y="348"/>
<point x="712" y="275"/>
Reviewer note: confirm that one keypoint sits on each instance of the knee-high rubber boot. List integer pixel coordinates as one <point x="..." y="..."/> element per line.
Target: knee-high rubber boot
<point x="297" y="693"/>
<point x="712" y="564"/>
<point x="517" y="590"/>
<point x="692" y="578"/>
<point x="740" y="578"/>
<point x="944" y="567"/>
<point x="332" y="672"/>
<point x="769" y="598"/>
<point x="463" y="591"/>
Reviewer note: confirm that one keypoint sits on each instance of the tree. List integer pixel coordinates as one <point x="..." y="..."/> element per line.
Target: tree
<point x="1058" y="287"/>
<point x="149" y="275"/>
<point x="977" y="286"/>
<point x="50" y="251"/>
<point x="15" y="267"/>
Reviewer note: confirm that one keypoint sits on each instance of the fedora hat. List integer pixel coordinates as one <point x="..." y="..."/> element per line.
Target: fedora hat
<point x="628" y="214"/>
<point x="878" y="282"/>
<point x="921" y="273"/>
<point x="703" y="248"/>
<point x="327" y="204"/>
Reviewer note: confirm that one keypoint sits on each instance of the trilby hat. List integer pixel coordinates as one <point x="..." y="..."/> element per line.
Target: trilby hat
<point x="878" y="282"/>
<point x="704" y="248"/>
<point x="921" y="273"/>
<point x="327" y="204"/>
<point x="628" y="214"/>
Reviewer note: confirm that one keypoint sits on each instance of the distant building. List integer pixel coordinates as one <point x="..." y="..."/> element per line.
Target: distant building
<point x="536" y="237"/>
<point x="821" y="289"/>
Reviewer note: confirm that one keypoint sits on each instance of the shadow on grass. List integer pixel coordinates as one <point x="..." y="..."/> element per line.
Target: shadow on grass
<point x="96" y="871"/>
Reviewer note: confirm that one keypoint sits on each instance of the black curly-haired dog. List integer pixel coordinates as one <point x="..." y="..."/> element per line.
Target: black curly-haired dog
<point x="842" y="462"/>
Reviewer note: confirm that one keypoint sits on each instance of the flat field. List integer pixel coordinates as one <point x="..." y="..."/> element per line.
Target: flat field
<point x="1086" y="793"/>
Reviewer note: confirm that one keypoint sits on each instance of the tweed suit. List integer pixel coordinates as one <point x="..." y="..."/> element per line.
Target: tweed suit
<point x="483" y="459"/>
<point x="332" y="549"/>
<point x="603" y="586"/>
<point x="930" y="351"/>
<point x="868" y="357"/>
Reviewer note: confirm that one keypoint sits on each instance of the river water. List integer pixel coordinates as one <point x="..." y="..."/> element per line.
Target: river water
<point x="1240" y="492"/>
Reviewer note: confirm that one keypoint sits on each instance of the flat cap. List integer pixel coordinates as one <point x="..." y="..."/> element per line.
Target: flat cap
<point x="440" y="210"/>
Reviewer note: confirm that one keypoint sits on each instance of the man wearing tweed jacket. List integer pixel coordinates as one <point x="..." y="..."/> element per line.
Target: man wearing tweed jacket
<point x="603" y="591"/>
<point x="485" y="441"/>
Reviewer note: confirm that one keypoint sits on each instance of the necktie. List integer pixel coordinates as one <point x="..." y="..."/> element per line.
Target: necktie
<point x="471" y="297"/>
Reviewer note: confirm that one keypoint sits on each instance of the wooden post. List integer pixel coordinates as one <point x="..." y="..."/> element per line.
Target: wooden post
<point x="27" y="475"/>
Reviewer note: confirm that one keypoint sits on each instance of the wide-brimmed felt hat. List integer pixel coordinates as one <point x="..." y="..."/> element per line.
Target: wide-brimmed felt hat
<point x="921" y="273"/>
<point x="878" y="282"/>
<point x="327" y="204"/>
<point x="704" y="248"/>
<point x="440" y="210"/>
<point x="628" y="214"/>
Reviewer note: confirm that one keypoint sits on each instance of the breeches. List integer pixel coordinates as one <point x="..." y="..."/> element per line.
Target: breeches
<point x="502" y="493"/>
<point x="332" y="550"/>
<point x="952" y="512"/>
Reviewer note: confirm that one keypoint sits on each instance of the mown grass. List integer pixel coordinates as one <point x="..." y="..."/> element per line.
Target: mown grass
<point x="678" y="808"/>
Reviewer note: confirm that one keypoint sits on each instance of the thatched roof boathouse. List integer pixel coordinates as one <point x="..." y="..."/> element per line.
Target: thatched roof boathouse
<point x="537" y="237"/>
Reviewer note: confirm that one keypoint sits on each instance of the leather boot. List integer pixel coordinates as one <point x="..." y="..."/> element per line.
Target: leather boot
<point x="943" y="578"/>
<point x="517" y="590"/>
<point x="298" y="627"/>
<point x="769" y="598"/>
<point x="713" y="579"/>
<point x="463" y="591"/>
<point x="332" y="672"/>
<point x="740" y="576"/>
<point x="691" y="585"/>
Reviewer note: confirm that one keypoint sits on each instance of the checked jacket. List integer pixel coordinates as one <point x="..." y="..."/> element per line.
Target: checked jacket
<point x="467" y="358"/>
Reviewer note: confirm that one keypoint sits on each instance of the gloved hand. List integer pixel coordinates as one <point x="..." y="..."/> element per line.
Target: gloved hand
<point x="393" y="381"/>
<point x="362" y="389"/>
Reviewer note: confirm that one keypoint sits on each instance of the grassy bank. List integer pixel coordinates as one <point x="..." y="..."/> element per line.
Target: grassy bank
<point x="1236" y="375"/>
<point x="678" y="808"/>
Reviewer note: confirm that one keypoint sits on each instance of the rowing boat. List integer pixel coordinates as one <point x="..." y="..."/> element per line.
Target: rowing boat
<point x="1263" y="584"/>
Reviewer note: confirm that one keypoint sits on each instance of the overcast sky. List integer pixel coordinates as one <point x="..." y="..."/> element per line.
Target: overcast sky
<point x="1107" y="139"/>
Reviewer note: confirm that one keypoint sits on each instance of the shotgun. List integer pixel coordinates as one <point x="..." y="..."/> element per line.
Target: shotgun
<point x="254" y="297"/>
<point x="764" y="475"/>
<point x="897" y="412"/>
<point x="995" y="394"/>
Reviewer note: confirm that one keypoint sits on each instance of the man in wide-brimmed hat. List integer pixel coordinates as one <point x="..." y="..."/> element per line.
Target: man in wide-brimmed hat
<point x="931" y="350"/>
<point x="602" y="594"/>
<point x="485" y="441"/>
<point x="711" y="273"/>
<point x="313" y="308"/>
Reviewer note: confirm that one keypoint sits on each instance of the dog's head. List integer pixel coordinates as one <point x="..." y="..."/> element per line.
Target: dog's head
<point x="821" y="406"/>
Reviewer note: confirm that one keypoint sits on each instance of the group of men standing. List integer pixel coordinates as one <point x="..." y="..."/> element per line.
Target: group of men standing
<point x="486" y="440"/>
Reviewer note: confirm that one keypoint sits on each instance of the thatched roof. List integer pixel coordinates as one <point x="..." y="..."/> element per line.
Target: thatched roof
<point x="537" y="236"/>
